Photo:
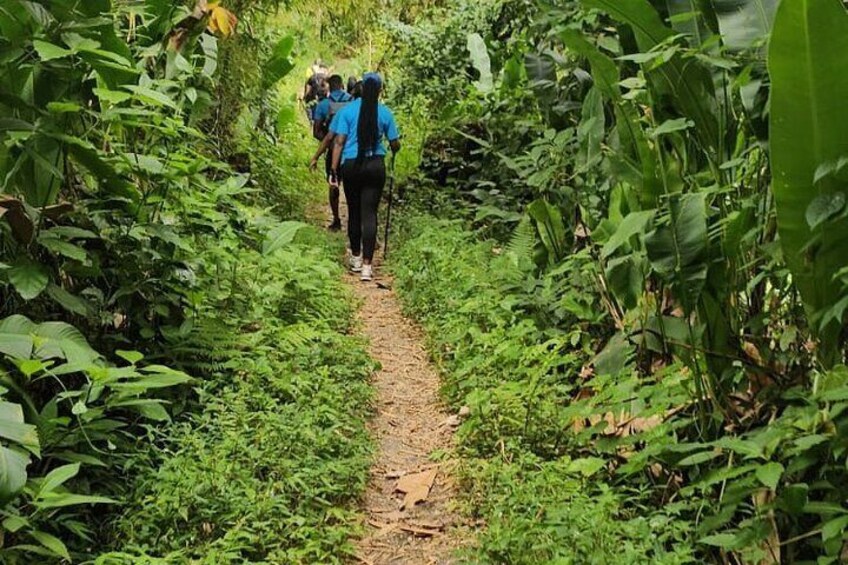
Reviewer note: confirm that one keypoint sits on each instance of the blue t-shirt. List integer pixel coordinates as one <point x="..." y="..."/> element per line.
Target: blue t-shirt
<point x="322" y="110"/>
<point x="346" y="123"/>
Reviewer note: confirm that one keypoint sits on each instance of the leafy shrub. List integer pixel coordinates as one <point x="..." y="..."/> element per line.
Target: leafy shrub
<point x="267" y="469"/>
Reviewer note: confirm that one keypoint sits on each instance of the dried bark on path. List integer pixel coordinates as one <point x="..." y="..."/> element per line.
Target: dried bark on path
<point x="408" y="506"/>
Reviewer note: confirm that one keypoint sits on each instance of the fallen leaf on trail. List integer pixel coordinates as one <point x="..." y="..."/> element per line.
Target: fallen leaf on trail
<point x="427" y="525"/>
<point x="452" y="421"/>
<point x="416" y="487"/>
<point x="420" y="532"/>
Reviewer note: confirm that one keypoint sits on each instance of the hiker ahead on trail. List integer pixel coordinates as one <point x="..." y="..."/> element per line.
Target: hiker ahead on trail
<point x="359" y="154"/>
<point x="315" y="88"/>
<point x="324" y="114"/>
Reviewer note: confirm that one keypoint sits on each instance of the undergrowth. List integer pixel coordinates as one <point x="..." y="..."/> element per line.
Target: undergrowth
<point x="267" y="470"/>
<point x="495" y="335"/>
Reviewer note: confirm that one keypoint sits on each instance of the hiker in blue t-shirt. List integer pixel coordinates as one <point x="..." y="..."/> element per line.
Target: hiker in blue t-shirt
<point x="359" y="153"/>
<point x="326" y="110"/>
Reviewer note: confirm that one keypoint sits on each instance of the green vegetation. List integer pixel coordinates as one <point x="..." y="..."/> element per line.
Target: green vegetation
<point x="183" y="386"/>
<point x="623" y="228"/>
<point x="639" y="349"/>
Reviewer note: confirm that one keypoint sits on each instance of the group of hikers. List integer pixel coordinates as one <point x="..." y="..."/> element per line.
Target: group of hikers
<point x="351" y="125"/>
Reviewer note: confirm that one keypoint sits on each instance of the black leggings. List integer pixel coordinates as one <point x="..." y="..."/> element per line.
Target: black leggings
<point x="363" y="187"/>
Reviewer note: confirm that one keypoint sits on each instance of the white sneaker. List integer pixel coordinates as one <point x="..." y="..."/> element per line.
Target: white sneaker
<point x="367" y="273"/>
<point x="355" y="263"/>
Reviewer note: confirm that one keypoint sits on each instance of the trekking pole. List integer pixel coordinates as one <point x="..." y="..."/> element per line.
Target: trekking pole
<point x="389" y="209"/>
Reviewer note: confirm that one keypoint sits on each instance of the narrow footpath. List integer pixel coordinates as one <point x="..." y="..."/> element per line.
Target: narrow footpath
<point x="409" y="504"/>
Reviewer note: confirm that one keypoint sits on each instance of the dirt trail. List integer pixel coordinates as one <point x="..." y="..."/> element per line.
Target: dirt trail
<point x="409" y="426"/>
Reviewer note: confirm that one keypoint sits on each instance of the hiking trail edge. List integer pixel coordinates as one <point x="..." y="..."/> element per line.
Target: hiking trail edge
<point x="420" y="525"/>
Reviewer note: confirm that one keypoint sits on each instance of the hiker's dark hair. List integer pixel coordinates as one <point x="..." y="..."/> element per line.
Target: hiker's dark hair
<point x="357" y="89"/>
<point x="336" y="82"/>
<point x="368" y="131"/>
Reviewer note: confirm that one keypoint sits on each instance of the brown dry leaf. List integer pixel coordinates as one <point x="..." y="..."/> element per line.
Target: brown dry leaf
<point x="752" y="352"/>
<point x="611" y="428"/>
<point x="16" y="215"/>
<point x="638" y="425"/>
<point x="419" y="532"/>
<point x="656" y="470"/>
<point x="416" y="487"/>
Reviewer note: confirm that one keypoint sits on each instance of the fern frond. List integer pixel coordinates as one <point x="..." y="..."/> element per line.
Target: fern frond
<point x="523" y="240"/>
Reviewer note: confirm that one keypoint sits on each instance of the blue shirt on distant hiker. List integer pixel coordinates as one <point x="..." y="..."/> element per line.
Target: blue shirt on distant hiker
<point x="322" y="111"/>
<point x="346" y="123"/>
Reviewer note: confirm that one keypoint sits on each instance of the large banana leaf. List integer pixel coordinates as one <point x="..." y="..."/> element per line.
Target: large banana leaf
<point x="685" y="83"/>
<point x="809" y="128"/>
<point x="677" y="247"/>
<point x="481" y="61"/>
<point x="606" y="78"/>
<point x="744" y="22"/>
<point x="687" y="18"/>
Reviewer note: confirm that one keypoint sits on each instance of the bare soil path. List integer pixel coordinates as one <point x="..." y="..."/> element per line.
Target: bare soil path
<point x="409" y="504"/>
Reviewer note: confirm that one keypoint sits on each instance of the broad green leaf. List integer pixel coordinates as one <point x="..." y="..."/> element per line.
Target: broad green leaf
<point x="678" y="245"/>
<point x="61" y="500"/>
<point x="587" y="466"/>
<point x="68" y="301"/>
<point x="57" y="477"/>
<point x="47" y="51"/>
<point x="824" y="207"/>
<point x="699" y="458"/>
<point x="671" y="126"/>
<point x="688" y="84"/>
<point x="809" y="76"/>
<point x="744" y="22"/>
<point x="15" y="523"/>
<point x="28" y="277"/>
<point x="633" y="224"/>
<point x="770" y="474"/>
<point x="605" y="73"/>
<point x="131" y="357"/>
<point x="13" y="428"/>
<point x="58" y="340"/>
<point x="16" y="337"/>
<point x="150" y="96"/>
<point x="281" y="236"/>
<point x="476" y="45"/>
<point x="112" y="96"/>
<point x="63" y="248"/>
<point x="590" y="131"/>
<point x="13" y="474"/>
<point x="834" y="528"/>
<point x="54" y="544"/>
<point x="726" y="541"/>
<point x="280" y="63"/>
<point x="686" y="18"/>
<point x="551" y="229"/>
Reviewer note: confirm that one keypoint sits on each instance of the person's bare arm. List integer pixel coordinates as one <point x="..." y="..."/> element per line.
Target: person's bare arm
<point x="395" y="145"/>
<point x="338" y="146"/>
<point x="322" y="148"/>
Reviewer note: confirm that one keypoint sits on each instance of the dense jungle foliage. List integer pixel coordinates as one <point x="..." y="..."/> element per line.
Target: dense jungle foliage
<point x="178" y="383"/>
<point x="632" y="266"/>
<point x="623" y="229"/>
